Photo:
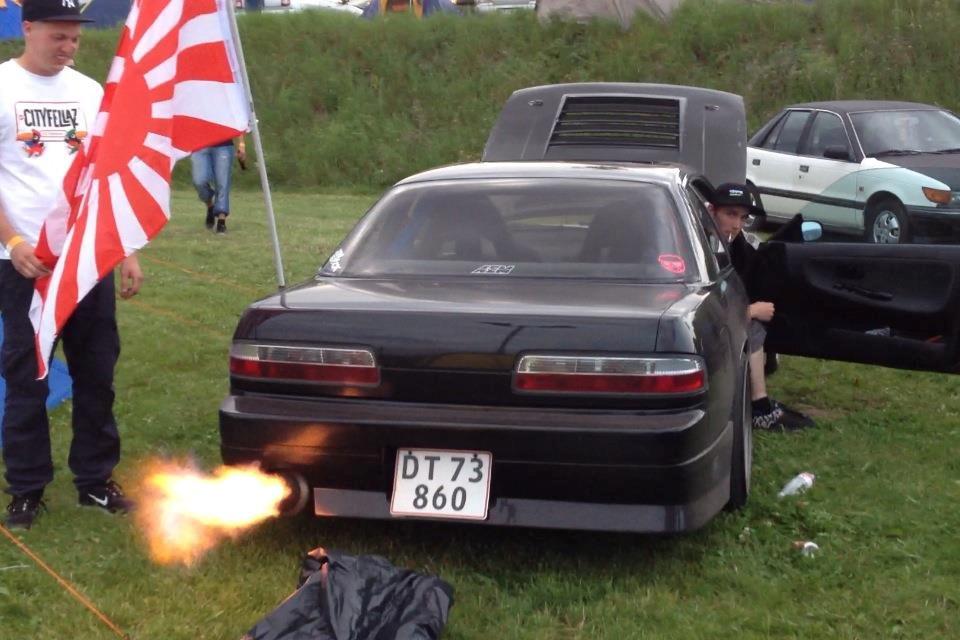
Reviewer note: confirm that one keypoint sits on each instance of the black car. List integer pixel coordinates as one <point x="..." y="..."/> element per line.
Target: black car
<point x="887" y="171"/>
<point x="555" y="337"/>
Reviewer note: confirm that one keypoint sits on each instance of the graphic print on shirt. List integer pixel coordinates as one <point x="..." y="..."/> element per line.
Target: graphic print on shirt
<point x="39" y="123"/>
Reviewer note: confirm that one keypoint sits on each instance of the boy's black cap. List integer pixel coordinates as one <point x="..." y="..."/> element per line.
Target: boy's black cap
<point x="52" y="11"/>
<point x="731" y="194"/>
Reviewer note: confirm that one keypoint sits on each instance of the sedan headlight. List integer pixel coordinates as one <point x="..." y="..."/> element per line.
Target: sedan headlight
<point x="939" y="196"/>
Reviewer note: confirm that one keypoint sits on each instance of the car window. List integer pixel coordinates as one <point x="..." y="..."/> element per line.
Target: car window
<point x="788" y="138"/>
<point x="826" y="131"/>
<point x="556" y="228"/>
<point x="770" y="141"/>
<point x="907" y="130"/>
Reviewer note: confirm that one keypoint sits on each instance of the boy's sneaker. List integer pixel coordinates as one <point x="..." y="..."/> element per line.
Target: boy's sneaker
<point x="768" y="420"/>
<point x="108" y="496"/>
<point x="780" y="418"/>
<point x="210" y="217"/>
<point x="23" y="510"/>
<point x="221" y="225"/>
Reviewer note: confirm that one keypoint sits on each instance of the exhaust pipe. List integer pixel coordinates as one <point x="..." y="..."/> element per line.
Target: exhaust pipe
<point x="299" y="493"/>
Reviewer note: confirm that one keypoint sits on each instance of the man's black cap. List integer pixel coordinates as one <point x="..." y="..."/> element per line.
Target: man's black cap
<point x="52" y="11"/>
<point x="738" y="195"/>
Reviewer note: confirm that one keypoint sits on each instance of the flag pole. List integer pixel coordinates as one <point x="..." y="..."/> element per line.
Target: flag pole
<point x="257" y="146"/>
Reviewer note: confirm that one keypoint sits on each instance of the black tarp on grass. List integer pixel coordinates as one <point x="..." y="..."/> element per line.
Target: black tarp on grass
<point x="344" y="597"/>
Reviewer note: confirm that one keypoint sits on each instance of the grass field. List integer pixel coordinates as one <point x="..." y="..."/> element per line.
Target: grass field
<point x="883" y="511"/>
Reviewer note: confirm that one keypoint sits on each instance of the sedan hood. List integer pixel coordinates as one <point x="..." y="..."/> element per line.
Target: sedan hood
<point x="944" y="167"/>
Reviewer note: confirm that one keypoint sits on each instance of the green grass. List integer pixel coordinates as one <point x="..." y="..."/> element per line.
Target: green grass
<point x="346" y="103"/>
<point x="883" y="510"/>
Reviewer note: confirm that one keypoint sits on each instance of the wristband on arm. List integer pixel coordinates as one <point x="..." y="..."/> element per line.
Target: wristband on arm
<point x="13" y="242"/>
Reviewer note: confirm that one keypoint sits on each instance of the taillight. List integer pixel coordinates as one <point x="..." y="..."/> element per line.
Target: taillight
<point x="610" y="375"/>
<point x="328" y="365"/>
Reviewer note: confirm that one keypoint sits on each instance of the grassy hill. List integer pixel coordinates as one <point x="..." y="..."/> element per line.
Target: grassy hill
<point x="351" y="104"/>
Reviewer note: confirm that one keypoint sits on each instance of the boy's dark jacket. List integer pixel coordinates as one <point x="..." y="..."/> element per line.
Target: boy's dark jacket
<point x="763" y="270"/>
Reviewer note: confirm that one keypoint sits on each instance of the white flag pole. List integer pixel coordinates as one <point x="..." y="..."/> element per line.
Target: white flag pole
<point x="257" y="146"/>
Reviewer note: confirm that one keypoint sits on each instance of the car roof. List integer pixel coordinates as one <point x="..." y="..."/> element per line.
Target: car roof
<point x="662" y="173"/>
<point x="852" y="106"/>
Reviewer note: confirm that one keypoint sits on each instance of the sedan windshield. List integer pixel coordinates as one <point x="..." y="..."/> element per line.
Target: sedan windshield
<point x="906" y="131"/>
<point x="558" y="228"/>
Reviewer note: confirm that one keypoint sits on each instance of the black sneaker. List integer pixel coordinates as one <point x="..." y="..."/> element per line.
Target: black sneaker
<point x="768" y="420"/>
<point x="221" y="225"/>
<point x="780" y="418"/>
<point x="108" y="496"/>
<point x="210" y="217"/>
<point x="23" y="510"/>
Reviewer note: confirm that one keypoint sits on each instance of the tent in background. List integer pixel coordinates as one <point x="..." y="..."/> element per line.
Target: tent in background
<point x="9" y="19"/>
<point x="419" y="7"/>
<point x="104" y="13"/>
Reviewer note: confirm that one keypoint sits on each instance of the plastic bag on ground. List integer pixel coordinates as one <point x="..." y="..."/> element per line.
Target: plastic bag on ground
<point x="344" y="597"/>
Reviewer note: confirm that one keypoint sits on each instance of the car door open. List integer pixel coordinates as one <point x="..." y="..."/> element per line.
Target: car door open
<point x="891" y="305"/>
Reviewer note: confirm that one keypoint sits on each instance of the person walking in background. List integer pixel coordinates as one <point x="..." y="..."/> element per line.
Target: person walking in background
<point x="212" y="175"/>
<point x="46" y="111"/>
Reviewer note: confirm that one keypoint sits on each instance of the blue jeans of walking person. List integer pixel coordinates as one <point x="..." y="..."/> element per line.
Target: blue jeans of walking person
<point x="212" y="175"/>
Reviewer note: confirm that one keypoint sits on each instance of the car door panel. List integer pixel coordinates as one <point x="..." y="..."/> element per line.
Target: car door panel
<point x="829" y="188"/>
<point x="772" y="173"/>
<point x="772" y="165"/>
<point x="891" y="305"/>
<point x="828" y="185"/>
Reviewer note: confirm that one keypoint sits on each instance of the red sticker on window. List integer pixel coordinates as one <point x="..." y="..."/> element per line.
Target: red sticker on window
<point x="672" y="263"/>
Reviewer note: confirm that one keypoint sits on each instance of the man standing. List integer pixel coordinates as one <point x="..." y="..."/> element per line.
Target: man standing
<point x="46" y="111"/>
<point x="731" y="206"/>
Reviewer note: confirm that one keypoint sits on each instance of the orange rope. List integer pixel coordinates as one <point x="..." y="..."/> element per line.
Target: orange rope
<point x="66" y="585"/>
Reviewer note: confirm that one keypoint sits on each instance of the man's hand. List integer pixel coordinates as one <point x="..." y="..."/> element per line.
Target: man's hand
<point x="26" y="263"/>
<point x="762" y="311"/>
<point x="242" y="154"/>
<point x="131" y="277"/>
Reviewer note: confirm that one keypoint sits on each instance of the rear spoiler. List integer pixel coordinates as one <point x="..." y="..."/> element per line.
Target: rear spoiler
<point x="703" y="129"/>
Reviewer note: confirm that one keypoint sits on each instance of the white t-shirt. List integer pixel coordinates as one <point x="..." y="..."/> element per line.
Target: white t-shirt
<point x="43" y="122"/>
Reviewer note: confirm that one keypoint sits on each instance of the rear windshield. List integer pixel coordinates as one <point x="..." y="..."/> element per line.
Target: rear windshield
<point x="557" y="228"/>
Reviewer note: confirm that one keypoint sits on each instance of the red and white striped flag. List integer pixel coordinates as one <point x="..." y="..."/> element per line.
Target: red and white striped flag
<point x="174" y="87"/>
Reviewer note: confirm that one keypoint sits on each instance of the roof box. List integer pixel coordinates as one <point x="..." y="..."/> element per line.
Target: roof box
<point x="624" y="122"/>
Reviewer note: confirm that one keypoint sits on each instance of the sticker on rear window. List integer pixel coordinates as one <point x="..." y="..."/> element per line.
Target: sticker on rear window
<point x="672" y="263"/>
<point x="495" y="269"/>
<point x="334" y="262"/>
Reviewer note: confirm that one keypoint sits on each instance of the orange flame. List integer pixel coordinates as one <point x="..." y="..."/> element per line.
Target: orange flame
<point x="185" y="513"/>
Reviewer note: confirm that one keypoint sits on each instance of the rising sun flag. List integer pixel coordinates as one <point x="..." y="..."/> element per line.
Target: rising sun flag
<point x="174" y="87"/>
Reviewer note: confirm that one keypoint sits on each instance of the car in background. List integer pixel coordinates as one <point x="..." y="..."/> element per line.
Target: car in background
<point x="886" y="171"/>
<point x="484" y="6"/>
<point x="555" y="336"/>
<point x="352" y="7"/>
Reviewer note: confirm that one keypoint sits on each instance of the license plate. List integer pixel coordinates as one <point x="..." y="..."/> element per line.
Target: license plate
<point x="441" y="484"/>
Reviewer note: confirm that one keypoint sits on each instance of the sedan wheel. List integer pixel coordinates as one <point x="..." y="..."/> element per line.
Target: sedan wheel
<point x="887" y="223"/>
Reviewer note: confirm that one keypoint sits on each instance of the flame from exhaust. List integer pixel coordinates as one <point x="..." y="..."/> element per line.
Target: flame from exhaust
<point x="185" y="512"/>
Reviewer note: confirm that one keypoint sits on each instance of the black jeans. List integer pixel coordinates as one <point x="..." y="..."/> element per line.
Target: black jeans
<point x="91" y="344"/>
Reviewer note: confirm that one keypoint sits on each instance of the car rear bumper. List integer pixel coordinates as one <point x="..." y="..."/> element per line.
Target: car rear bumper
<point x="934" y="224"/>
<point x="576" y="469"/>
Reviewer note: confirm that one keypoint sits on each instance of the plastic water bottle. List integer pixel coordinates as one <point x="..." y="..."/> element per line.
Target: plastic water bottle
<point x="806" y="548"/>
<point x="800" y="483"/>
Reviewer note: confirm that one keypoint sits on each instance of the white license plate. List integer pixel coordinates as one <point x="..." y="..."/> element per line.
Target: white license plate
<point x="441" y="484"/>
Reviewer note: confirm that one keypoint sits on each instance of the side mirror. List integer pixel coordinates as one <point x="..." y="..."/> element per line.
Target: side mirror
<point x="837" y="152"/>
<point x="811" y="230"/>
